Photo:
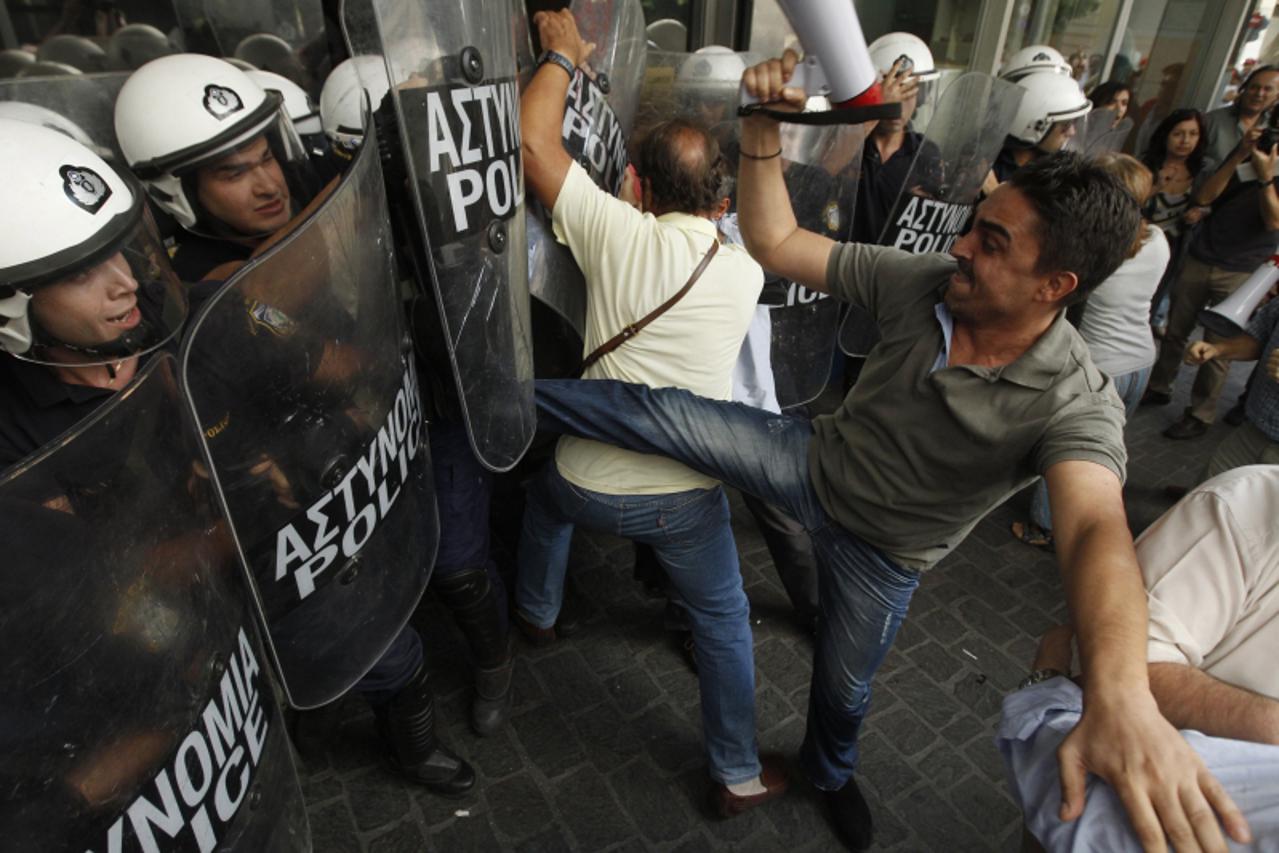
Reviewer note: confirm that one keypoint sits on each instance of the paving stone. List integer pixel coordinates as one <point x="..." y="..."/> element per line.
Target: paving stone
<point x="495" y="756"/>
<point x="924" y="696"/>
<point x="567" y="674"/>
<point x="374" y="802"/>
<point x="670" y="739"/>
<point x="526" y="690"/>
<point x="975" y="691"/>
<point x="984" y="755"/>
<point x="548" y="739"/>
<point x="653" y="803"/>
<point x="552" y="840"/>
<point x="882" y="767"/>
<point x="466" y="834"/>
<point x="934" y="660"/>
<point x="962" y="729"/>
<point x="771" y="709"/>
<point x="608" y="738"/>
<point x="937" y="824"/>
<point x="905" y="731"/>
<point x="782" y="665"/>
<point x="332" y="829"/>
<point x="985" y="806"/>
<point x="406" y="837"/>
<point x="942" y="625"/>
<point x="589" y="811"/>
<point x="517" y="807"/>
<point x="632" y="690"/>
<point x="978" y="616"/>
<point x="316" y="791"/>
<point x="945" y="765"/>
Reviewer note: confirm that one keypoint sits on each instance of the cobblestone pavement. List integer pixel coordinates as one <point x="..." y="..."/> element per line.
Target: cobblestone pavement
<point x="603" y="750"/>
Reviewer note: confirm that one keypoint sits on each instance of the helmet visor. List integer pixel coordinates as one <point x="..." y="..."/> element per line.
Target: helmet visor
<point x="120" y="302"/>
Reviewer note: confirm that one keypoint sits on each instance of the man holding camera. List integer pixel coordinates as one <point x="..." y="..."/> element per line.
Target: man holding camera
<point x="1241" y="233"/>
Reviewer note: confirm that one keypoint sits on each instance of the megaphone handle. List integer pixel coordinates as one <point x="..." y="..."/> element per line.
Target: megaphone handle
<point x="807" y="75"/>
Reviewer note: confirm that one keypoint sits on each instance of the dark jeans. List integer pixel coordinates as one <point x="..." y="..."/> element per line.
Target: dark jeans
<point x="863" y="594"/>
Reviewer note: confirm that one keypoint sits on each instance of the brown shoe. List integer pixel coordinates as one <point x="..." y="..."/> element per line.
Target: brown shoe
<point x="535" y="635"/>
<point x="772" y="776"/>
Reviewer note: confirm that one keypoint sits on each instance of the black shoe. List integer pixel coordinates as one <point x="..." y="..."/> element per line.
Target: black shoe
<point x="407" y="725"/>
<point x="1155" y="398"/>
<point x="1187" y="427"/>
<point x="492" y="698"/>
<point x="851" y="816"/>
<point x="1235" y="417"/>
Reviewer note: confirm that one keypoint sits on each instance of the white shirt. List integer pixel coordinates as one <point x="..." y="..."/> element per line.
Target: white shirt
<point x="632" y="263"/>
<point x="1117" y="320"/>
<point x="1211" y="566"/>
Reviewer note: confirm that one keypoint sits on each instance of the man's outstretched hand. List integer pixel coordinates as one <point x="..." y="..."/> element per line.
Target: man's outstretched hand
<point x="1169" y="795"/>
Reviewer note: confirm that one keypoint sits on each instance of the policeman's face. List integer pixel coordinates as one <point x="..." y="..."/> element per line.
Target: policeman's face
<point x="246" y="190"/>
<point x="1061" y="133"/>
<point x="1183" y="138"/>
<point x="95" y="306"/>
<point x="996" y="282"/>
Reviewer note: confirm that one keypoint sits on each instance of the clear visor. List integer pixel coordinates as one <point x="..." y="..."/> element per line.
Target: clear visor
<point x="122" y="303"/>
<point x="1066" y="135"/>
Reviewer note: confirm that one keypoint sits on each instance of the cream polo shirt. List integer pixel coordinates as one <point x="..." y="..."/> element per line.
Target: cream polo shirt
<point x="1211" y="565"/>
<point x="632" y="263"/>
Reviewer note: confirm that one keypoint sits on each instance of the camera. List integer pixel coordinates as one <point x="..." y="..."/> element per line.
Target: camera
<point x="1269" y="136"/>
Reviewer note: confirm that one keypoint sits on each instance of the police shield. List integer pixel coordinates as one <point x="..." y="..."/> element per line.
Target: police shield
<point x="304" y="387"/>
<point x="81" y="107"/>
<point x="599" y="111"/>
<point x="941" y="190"/>
<point x="452" y="72"/>
<point x="1102" y="131"/>
<point x="138" y="710"/>
<point x="821" y="166"/>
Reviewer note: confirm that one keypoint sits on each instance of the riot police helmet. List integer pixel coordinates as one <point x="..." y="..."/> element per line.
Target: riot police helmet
<point x="1050" y="100"/>
<point x="342" y="100"/>
<point x="84" y="279"/>
<point x="191" y="125"/>
<point x="1033" y="58"/>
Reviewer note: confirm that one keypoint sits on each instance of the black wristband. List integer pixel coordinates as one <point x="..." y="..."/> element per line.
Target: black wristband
<point x="558" y="59"/>
<point x="776" y="153"/>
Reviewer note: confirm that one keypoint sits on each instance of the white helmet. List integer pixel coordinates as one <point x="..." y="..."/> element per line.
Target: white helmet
<point x="13" y="60"/>
<point x="76" y="51"/>
<point x="297" y="103"/>
<point x="182" y="111"/>
<point x="711" y="64"/>
<point x="342" y="99"/>
<point x="1036" y="57"/>
<point x="889" y="48"/>
<point x="45" y="117"/>
<point x="1049" y="98"/>
<point x="64" y="209"/>
<point x="134" y="45"/>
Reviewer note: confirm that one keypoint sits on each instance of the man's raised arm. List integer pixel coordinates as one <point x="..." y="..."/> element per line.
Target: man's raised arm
<point x="546" y="163"/>
<point x="1122" y="737"/>
<point x="765" y="216"/>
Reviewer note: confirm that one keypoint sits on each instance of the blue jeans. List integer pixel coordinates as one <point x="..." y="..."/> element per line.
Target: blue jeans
<point x="863" y="595"/>
<point x="692" y="536"/>
<point x="1130" y="387"/>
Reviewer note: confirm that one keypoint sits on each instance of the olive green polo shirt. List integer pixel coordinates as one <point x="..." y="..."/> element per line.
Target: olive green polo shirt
<point x="914" y="457"/>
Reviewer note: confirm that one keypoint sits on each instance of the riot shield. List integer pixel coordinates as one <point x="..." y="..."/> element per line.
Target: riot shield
<point x="598" y="113"/>
<point x="86" y="100"/>
<point x="1100" y="132"/>
<point x="303" y="384"/>
<point x="456" y="101"/>
<point x="138" y="711"/>
<point x="941" y="190"/>
<point x="268" y="35"/>
<point x="821" y="166"/>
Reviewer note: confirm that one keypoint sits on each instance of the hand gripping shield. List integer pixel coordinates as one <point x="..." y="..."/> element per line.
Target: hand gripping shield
<point x="139" y="712"/>
<point x="304" y="387"/>
<point x="455" y="99"/>
<point x="937" y="199"/>
<point x="599" y="111"/>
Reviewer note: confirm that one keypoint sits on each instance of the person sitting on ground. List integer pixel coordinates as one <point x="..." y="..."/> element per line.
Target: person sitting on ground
<point x="1211" y="570"/>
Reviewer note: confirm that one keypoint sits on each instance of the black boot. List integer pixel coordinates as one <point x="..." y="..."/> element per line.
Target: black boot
<point x="407" y="724"/>
<point x="477" y="607"/>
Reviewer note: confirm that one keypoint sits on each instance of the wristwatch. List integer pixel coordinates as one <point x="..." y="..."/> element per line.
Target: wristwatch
<point x="1038" y="676"/>
<point x="559" y="59"/>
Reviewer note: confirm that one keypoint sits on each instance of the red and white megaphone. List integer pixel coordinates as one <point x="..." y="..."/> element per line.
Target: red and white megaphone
<point x="837" y="63"/>
<point x="1229" y="319"/>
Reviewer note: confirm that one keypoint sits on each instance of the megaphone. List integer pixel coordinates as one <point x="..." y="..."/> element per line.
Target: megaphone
<point x="1229" y="319"/>
<point x="837" y="63"/>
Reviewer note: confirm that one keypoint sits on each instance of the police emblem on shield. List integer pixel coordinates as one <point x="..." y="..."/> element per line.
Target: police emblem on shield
<point x="85" y="187"/>
<point x="221" y="101"/>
